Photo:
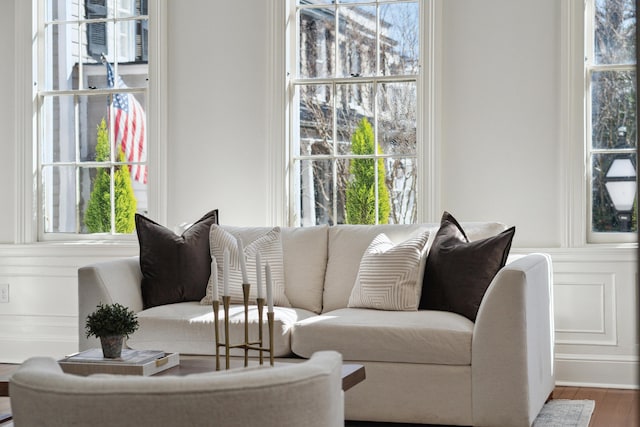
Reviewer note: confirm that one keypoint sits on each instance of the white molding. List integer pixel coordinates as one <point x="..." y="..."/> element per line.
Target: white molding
<point x="597" y="371"/>
<point x="430" y="110"/>
<point x="276" y="116"/>
<point x="587" y="254"/>
<point x="570" y="122"/>
<point x="607" y="311"/>
<point x="25" y="223"/>
<point x="158" y="110"/>
<point x="67" y="250"/>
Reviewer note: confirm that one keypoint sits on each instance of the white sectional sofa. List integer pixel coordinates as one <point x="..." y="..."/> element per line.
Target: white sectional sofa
<point x="424" y="366"/>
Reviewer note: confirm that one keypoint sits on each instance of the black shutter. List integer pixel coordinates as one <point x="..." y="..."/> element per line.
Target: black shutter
<point x="144" y="31"/>
<point x="96" y="32"/>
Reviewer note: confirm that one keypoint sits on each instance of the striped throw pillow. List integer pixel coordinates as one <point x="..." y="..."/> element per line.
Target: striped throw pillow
<point x="388" y="275"/>
<point x="270" y="247"/>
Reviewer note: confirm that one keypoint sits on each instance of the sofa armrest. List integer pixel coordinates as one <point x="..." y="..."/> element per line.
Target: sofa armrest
<point x="106" y="283"/>
<point x="512" y="350"/>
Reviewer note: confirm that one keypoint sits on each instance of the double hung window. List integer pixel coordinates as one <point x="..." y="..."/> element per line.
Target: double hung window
<point x="354" y="125"/>
<point x="611" y="125"/>
<point x="91" y="92"/>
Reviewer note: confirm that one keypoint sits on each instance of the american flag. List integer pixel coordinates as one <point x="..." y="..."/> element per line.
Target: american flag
<point x="129" y="128"/>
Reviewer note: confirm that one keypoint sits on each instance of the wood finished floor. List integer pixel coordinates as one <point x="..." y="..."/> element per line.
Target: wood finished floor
<point x="614" y="407"/>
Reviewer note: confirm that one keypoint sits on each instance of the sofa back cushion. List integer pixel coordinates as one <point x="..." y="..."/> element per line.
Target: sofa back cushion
<point x="347" y="244"/>
<point x="305" y="262"/>
<point x="305" y="259"/>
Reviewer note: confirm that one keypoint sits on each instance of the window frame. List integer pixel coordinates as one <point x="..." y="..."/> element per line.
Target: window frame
<point x="590" y="67"/>
<point x="575" y="129"/>
<point x="29" y="217"/>
<point x="282" y="45"/>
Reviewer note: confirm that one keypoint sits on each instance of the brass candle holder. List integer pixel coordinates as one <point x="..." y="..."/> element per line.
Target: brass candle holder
<point x="246" y="345"/>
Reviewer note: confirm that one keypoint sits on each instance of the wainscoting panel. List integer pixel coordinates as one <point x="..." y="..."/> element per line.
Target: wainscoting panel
<point x="41" y="317"/>
<point x="596" y="316"/>
<point x="585" y="311"/>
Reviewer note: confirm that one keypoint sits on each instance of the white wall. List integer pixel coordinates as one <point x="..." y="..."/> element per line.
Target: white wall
<point x="500" y="147"/>
<point x="499" y="159"/>
<point x="7" y="145"/>
<point x="217" y="121"/>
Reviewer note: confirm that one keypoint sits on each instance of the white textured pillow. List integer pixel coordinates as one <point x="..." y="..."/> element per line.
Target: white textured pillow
<point x="270" y="247"/>
<point x="388" y="275"/>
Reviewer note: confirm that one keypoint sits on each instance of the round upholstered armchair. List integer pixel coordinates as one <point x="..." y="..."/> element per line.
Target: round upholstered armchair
<point x="302" y="394"/>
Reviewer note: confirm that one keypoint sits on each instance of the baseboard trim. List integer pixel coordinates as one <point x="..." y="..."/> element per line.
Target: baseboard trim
<point x="597" y="371"/>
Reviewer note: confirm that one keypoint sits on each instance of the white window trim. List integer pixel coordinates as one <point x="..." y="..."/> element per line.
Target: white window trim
<point x="278" y="118"/>
<point x="575" y="191"/>
<point x="26" y="187"/>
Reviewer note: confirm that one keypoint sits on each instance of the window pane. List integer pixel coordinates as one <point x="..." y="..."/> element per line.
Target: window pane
<point x="59" y="123"/>
<point x="97" y="193"/>
<point x="397" y="117"/>
<point x="316" y="192"/>
<point x="58" y="73"/>
<point x="315" y="126"/>
<point x="399" y="39"/>
<point x="97" y="199"/>
<point x="354" y="104"/>
<point x="317" y="43"/>
<point x="367" y="199"/>
<point x="127" y="8"/>
<point x="59" y="183"/>
<point x="615" y="31"/>
<point x="615" y="206"/>
<point x="94" y="121"/>
<point x="401" y="179"/>
<point x="357" y="41"/>
<point x="613" y="114"/>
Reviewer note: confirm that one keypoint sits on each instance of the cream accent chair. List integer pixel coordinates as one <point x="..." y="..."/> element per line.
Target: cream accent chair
<point x="304" y="394"/>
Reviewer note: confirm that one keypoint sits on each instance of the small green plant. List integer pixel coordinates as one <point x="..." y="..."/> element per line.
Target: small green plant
<point x="111" y="319"/>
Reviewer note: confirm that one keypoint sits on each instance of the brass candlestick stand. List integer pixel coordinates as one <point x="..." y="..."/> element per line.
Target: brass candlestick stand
<point x="246" y="345"/>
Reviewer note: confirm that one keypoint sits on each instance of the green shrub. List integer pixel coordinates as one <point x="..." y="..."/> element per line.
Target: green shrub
<point x="360" y="203"/>
<point x="97" y="217"/>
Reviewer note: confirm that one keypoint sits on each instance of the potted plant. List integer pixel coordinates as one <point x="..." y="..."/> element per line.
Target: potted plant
<point x="111" y="323"/>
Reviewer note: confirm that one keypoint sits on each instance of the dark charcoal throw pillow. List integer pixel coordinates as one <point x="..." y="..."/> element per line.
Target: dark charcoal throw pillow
<point x="174" y="268"/>
<point x="458" y="272"/>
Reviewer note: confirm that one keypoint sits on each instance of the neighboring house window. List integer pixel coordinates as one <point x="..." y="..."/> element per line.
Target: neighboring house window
<point x="92" y="130"/>
<point x="611" y="132"/>
<point x="354" y="122"/>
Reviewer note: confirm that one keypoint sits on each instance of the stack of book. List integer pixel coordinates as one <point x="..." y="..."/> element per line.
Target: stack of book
<point x="131" y="362"/>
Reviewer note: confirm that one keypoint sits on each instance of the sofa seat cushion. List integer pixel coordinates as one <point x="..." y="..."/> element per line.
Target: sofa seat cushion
<point x="187" y="328"/>
<point x="433" y="337"/>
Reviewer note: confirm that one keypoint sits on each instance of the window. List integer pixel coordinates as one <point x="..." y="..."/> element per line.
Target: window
<point x="92" y="137"/>
<point x="354" y="124"/>
<point x="611" y="132"/>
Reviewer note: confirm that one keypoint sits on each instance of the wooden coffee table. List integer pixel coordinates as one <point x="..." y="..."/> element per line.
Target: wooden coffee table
<point x="352" y="373"/>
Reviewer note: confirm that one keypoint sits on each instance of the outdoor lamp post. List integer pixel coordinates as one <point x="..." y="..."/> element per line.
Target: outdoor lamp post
<point x="621" y="185"/>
